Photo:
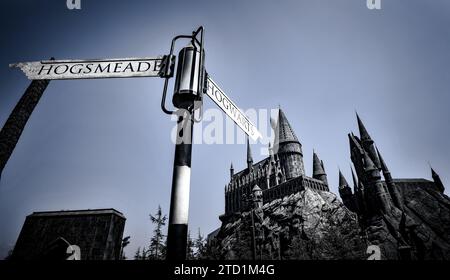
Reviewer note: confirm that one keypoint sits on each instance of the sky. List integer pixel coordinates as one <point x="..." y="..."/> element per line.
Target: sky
<point x="105" y="143"/>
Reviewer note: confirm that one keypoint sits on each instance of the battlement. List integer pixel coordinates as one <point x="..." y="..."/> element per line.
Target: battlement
<point x="293" y="186"/>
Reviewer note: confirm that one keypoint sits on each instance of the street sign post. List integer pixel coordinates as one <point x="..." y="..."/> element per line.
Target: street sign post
<point x="187" y="91"/>
<point x="190" y="82"/>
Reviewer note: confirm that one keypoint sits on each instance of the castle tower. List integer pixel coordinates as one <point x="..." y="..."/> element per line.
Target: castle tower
<point x="392" y="188"/>
<point x="318" y="169"/>
<point x="288" y="148"/>
<point x="376" y="194"/>
<point x="437" y="180"/>
<point x="356" y="155"/>
<point x="346" y="193"/>
<point x="272" y="157"/>
<point x="358" y="193"/>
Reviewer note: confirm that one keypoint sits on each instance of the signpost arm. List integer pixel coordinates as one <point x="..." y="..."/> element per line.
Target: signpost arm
<point x="166" y="82"/>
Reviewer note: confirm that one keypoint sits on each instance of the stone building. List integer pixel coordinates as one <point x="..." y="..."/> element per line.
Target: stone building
<point x="48" y="235"/>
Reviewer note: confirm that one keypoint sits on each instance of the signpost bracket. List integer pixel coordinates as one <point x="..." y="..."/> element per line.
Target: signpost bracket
<point x="195" y="42"/>
<point x="202" y="77"/>
<point x="167" y="66"/>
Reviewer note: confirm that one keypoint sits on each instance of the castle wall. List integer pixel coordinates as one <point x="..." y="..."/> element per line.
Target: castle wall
<point x="269" y="194"/>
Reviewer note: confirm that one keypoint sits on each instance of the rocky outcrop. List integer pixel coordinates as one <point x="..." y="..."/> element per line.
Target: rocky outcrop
<point x="305" y="225"/>
<point x="314" y="224"/>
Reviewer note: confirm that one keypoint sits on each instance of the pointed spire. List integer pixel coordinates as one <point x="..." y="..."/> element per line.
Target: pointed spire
<point x="437" y="180"/>
<point x="318" y="170"/>
<point x="364" y="135"/>
<point x="354" y="142"/>
<point x="368" y="163"/>
<point x="284" y="133"/>
<point x="392" y="188"/>
<point x="367" y="142"/>
<point x="231" y="171"/>
<point x="249" y="156"/>
<point x="342" y="181"/>
<point x="272" y="158"/>
<point x="389" y="182"/>
<point x="249" y="152"/>
<point x="433" y="173"/>
<point x="286" y="143"/>
<point x="317" y="166"/>
<point x="382" y="163"/>
<point x="346" y="193"/>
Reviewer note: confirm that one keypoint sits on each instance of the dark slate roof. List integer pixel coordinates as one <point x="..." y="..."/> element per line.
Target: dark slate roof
<point x="317" y="166"/>
<point x="77" y="213"/>
<point x="363" y="134"/>
<point x="342" y="180"/>
<point x="285" y="133"/>
<point x="412" y="180"/>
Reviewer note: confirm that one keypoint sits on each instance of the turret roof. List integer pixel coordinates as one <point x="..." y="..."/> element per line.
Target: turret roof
<point x="342" y="182"/>
<point x="317" y="166"/>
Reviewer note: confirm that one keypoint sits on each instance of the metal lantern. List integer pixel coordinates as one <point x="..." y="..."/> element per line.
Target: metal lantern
<point x="189" y="75"/>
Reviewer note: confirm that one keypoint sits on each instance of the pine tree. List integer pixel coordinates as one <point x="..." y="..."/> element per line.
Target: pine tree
<point x="157" y="242"/>
<point x="164" y="250"/>
<point x="212" y="251"/>
<point x="137" y="255"/>
<point x="189" y="245"/>
<point x="199" y="244"/>
<point x="144" y="254"/>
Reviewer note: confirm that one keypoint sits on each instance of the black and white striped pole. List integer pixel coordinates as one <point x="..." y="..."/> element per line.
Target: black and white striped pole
<point x="187" y="98"/>
<point x="179" y="201"/>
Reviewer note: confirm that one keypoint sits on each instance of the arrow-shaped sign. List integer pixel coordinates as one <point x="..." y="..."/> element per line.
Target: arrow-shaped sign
<point x="233" y="111"/>
<point x="93" y="68"/>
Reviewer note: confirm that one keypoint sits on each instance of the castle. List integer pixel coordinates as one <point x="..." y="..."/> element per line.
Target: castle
<point x="280" y="174"/>
<point x="283" y="173"/>
<point x="407" y="218"/>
